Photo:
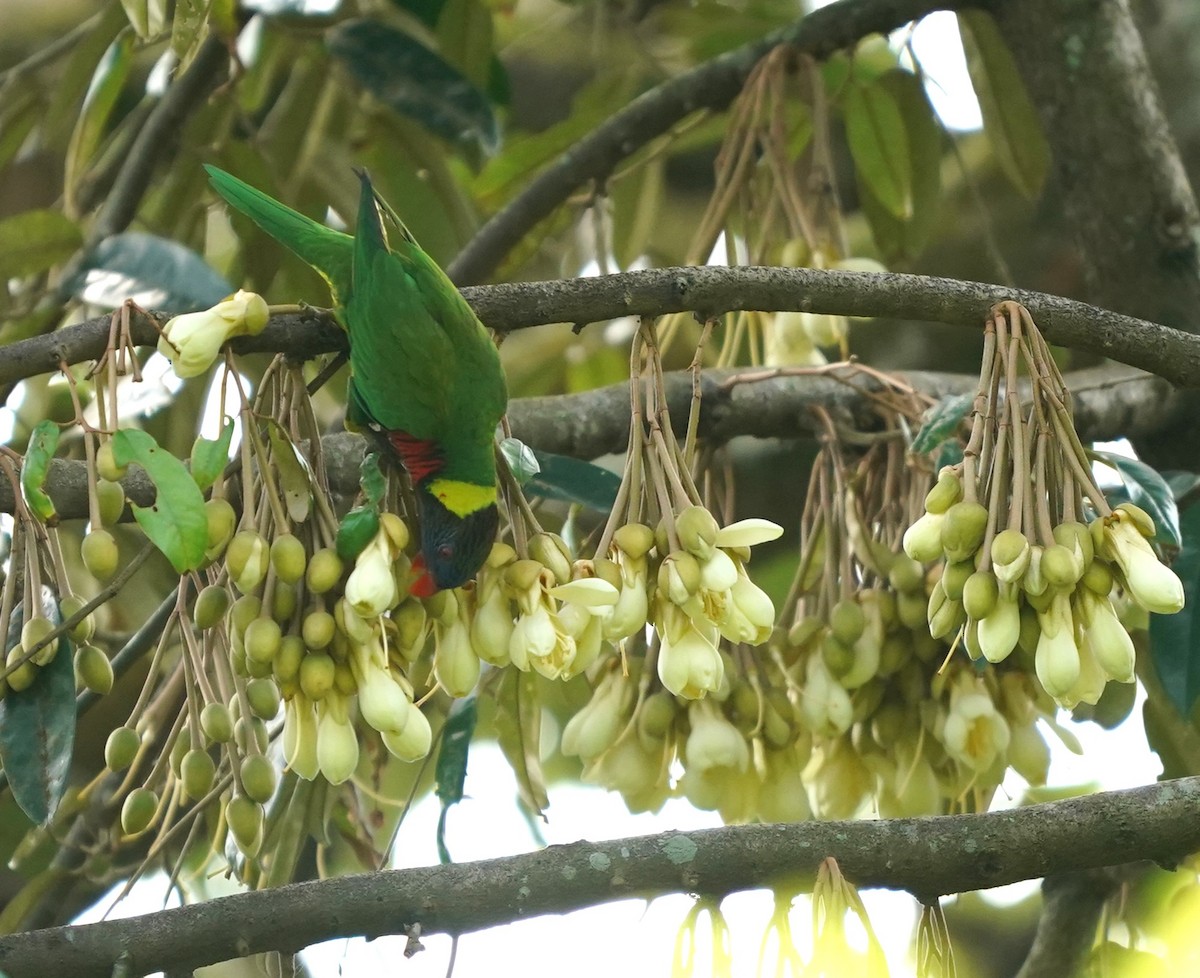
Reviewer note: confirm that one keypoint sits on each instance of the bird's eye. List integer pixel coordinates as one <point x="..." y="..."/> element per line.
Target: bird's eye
<point x="445" y="551"/>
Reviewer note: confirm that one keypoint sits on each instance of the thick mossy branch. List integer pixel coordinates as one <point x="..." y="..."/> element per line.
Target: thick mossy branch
<point x="1170" y="353"/>
<point x="928" y="857"/>
<point x="1109" y="402"/>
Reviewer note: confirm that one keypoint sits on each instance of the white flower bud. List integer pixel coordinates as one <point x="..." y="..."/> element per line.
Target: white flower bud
<point x="371" y="588"/>
<point x="690" y="666"/>
<point x="1056" y="658"/>
<point x="1152" y="584"/>
<point x="492" y="628"/>
<point x="923" y="540"/>
<point x="1110" y="642"/>
<point x="300" y="737"/>
<point x="414" y="740"/>
<point x="337" y="744"/>
<point x="455" y="663"/>
<point x="593" y="729"/>
<point x="719" y="572"/>
<point x="194" y="340"/>
<point x="999" y="631"/>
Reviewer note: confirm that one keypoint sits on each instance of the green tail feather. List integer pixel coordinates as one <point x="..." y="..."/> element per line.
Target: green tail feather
<point x="330" y="252"/>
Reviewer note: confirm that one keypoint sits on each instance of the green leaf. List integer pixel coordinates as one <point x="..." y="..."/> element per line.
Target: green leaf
<point x="292" y="473"/>
<point x="34" y="241"/>
<point x="1175" y="639"/>
<point x="176" y="279"/>
<point x="521" y="459"/>
<point x="1150" y="491"/>
<point x="878" y="142"/>
<point x="372" y="479"/>
<point x="1009" y="118"/>
<point x="572" y="480"/>
<point x="147" y="17"/>
<point x="186" y="26"/>
<point x="210" y="456"/>
<point x="940" y="423"/>
<point x="107" y="82"/>
<point x="37" y="725"/>
<point x="904" y="240"/>
<point x="1181" y="483"/>
<point x="415" y="81"/>
<point x="519" y="731"/>
<point x="42" y="445"/>
<point x="176" y="521"/>
<point x="451" y="768"/>
<point x="356" y="530"/>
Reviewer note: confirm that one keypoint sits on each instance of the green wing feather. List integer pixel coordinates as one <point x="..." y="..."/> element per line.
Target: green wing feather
<point x="330" y="252"/>
<point x="423" y="363"/>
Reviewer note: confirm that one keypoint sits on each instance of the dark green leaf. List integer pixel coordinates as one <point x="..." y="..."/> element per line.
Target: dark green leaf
<point x="451" y="769"/>
<point x="176" y="522"/>
<point x="1175" y="639"/>
<point x="415" y="81"/>
<point x="357" y="528"/>
<point x="521" y="459"/>
<point x="1181" y="483"/>
<point x="33" y="241"/>
<point x="519" y="732"/>
<point x="210" y="456"/>
<point x="951" y="453"/>
<point x="878" y="142"/>
<point x="162" y="273"/>
<point x="107" y="83"/>
<point x="42" y="445"/>
<point x="1009" y="118"/>
<point x="941" y="421"/>
<point x="572" y="480"/>
<point x="372" y="479"/>
<point x="292" y="472"/>
<point x="904" y="239"/>
<point x="37" y="725"/>
<point x="426" y="11"/>
<point x="1150" y="491"/>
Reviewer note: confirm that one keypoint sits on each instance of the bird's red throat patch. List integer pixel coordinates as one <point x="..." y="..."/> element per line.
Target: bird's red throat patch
<point x="421" y="458"/>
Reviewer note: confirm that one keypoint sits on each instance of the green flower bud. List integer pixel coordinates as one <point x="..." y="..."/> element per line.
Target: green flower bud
<point x="69" y="606"/>
<point x="289" y="558"/>
<point x="245" y="610"/>
<point x="258" y="778"/>
<point x="262" y="639"/>
<point x="22" y="677"/>
<point x="221" y="521"/>
<point x="979" y="594"/>
<point x="110" y="500"/>
<point x="286" y="665"/>
<point x="838" y="656"/>
<point x="946" y="493"/>
<point x="634" y="539"/>
<point x="697" y="530"/>
<point x="217" y="723"/>
<point x="137" y="811"/>
<point x="1077" y="538"/>
<point x="1010" y="555"/>
<point x="212" y="604"/>
<point x="906" y="575"/>
<point x="955" y="577"/>
<point x="106" y="463"/>
<point x="121" y="748"/>
<point x="34" y="631"/>
<point x="317" y="629"/>
<point x="100" y="554"/>
<point x="1098" y="578"/>
<point x="93" y="670"/>
<point x="283" y="602"/>
<point x="809" y="627"/>
<point x="847" y="621"/>
<point x="962" y="530"/>
<point x="245" y="819"/>
<point x="263" y="696"/>
<point x="317" y="675"/>
<point x="324" y="571"/>
<point x="551" y="552"/>
<point x="246" y="558"/>
<point x="946" y="616"/>
<point x="1060" y="567"/>
<point x="196" y="773"/>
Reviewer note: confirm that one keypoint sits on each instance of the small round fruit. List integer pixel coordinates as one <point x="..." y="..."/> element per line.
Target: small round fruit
<point x="121" y="748"/>
<point x="93" y="670"/>
<point x="138" y="810"/>
<point x="258" y="778"/>
<point x="317" y="629"/>
<point x="100" y="554"/>
<point x="317" y="675"/>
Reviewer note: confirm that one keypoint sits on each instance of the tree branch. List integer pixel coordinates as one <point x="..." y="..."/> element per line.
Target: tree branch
<point x="712" y="85"/>
<point x="1108" y="401"/>
<point x="928" y="857"/>
<point x="1066" y="930"/>
<point x="1170" y="353"/>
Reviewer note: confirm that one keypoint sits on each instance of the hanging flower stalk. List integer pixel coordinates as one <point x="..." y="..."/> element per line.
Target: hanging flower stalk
<point x="1031" y="555"/>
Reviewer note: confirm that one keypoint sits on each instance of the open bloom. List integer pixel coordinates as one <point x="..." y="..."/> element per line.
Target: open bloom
<point x="192" y="341"/>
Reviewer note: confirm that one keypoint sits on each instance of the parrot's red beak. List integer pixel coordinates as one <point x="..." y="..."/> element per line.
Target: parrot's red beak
<point x="424" y="586"/>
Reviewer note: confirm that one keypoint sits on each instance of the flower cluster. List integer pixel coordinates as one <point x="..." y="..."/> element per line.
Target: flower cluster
<point x="1019" y="568"/>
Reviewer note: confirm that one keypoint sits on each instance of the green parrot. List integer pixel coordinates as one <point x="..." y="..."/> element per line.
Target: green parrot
<point x="426" y="377"/>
